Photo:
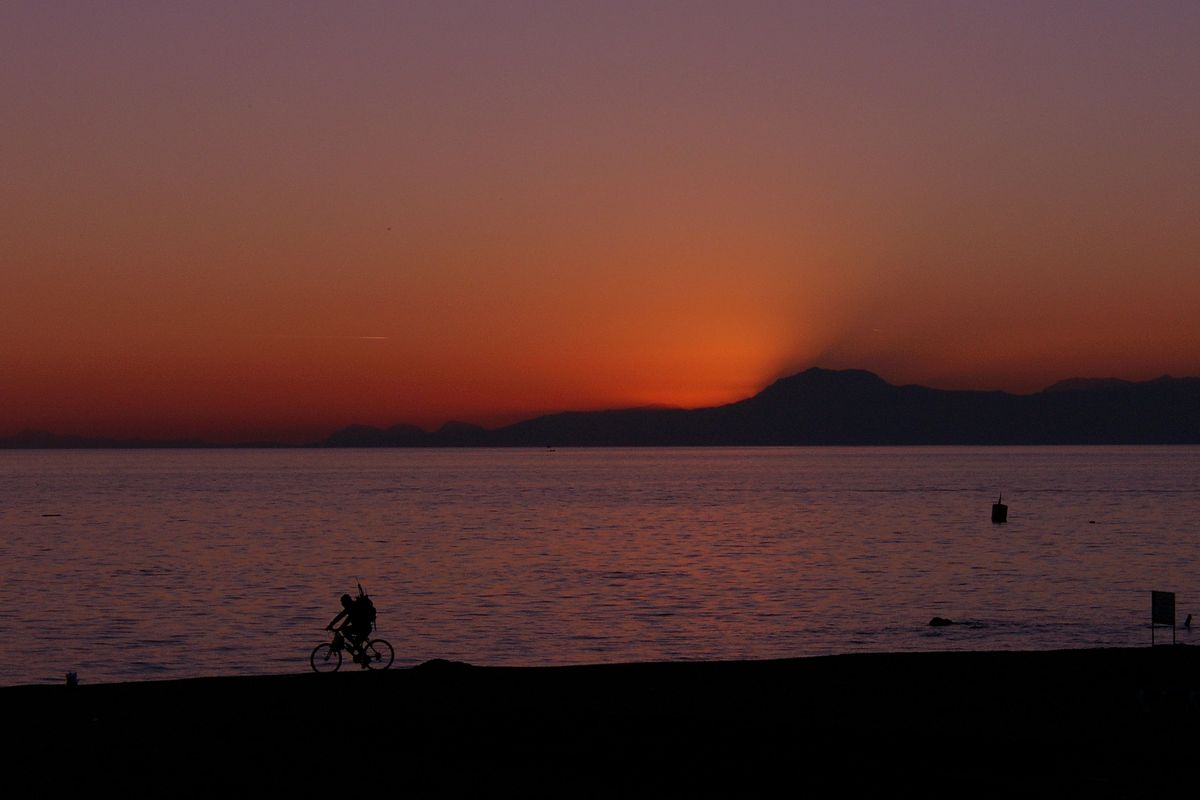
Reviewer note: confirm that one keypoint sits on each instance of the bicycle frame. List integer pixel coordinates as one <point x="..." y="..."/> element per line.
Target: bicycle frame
<point x="343" y="642"/>
<point x="368" y="653"/>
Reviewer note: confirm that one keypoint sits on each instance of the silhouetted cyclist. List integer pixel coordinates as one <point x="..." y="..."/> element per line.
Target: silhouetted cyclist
<point x="356" y="619"/>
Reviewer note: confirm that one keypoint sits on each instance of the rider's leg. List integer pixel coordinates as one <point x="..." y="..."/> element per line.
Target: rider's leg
<point x="356" y="647"/>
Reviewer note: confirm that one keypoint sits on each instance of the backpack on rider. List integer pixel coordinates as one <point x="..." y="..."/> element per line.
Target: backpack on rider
<point x="365" y="610"/>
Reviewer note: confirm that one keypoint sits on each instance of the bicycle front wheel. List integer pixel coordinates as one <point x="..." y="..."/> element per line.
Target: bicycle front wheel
<point x="379" y="654"/>
<point x="325" y="659"/>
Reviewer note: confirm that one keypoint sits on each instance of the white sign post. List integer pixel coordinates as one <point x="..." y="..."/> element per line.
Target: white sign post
<point x="1162" y="612"/>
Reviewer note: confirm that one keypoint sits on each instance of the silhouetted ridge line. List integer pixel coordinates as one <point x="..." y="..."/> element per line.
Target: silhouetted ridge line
<point x="814" y="407"/>
<point x="856" y="407"/>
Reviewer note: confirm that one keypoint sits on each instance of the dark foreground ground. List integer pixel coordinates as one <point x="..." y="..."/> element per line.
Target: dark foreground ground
<point x="1097" y="722"/>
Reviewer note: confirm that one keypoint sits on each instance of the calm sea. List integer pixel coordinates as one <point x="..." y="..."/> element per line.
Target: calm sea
<point x="124" y="565"/>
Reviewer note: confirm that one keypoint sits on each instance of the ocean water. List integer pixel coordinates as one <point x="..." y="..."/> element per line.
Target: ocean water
<point x="134" y="565"/>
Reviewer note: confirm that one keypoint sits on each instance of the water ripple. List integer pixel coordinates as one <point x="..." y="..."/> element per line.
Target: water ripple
<point x="172" y="563"/>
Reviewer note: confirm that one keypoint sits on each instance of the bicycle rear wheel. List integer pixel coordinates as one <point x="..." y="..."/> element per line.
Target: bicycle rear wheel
<point x="325" y="659"/>
<point x="379" y="654"/>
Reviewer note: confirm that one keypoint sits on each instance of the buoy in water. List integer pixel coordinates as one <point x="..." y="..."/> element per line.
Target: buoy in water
<point x="999" y="510"/>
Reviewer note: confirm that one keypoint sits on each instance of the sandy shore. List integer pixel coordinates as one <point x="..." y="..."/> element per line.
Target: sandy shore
<point x="1081" y="721"/>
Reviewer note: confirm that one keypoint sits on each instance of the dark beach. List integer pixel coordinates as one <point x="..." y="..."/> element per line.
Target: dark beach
<point x="1079" y="721"/>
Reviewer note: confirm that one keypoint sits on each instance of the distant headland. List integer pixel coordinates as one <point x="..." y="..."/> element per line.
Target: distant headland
<point x="814" y="407"/>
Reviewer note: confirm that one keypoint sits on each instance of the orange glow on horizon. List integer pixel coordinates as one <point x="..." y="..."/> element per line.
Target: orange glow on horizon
<point x="231" y="224"/>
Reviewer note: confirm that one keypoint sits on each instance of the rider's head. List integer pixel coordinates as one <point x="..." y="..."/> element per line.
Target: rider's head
<point x="347" y="601"/>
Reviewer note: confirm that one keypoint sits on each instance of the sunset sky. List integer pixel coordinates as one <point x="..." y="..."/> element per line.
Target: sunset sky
<point x="269" y="220"/>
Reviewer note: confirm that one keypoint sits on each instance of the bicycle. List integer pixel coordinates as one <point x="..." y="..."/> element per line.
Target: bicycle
<point x="372" y="654"/>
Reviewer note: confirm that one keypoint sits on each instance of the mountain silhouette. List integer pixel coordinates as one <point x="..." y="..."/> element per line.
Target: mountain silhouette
<point x="855" y="407"/>
<point x="814" y="407"/>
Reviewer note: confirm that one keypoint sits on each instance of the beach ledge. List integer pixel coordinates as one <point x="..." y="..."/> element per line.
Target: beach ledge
<point x="964" y="722"/>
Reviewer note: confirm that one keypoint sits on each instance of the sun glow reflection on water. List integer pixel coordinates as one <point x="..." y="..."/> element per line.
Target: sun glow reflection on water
<point x="164" y="564"/>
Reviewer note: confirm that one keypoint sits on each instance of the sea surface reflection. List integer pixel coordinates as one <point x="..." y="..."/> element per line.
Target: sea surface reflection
<point x="125" y="565"/>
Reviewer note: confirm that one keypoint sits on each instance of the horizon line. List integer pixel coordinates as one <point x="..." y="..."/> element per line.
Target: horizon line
<point x="186" y="441"/>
